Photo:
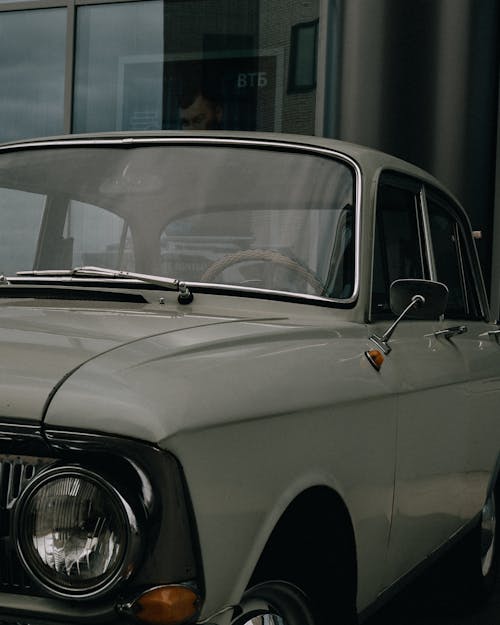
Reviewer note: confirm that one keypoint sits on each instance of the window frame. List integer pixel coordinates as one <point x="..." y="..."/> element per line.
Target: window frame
<point x="415" y="187"/>
<point x="296" y="52"/>
<point x="321" y="59"/>
<point x="470" y="276"/>
<point x="468" y="263"/>
<point x="69" y="63"/>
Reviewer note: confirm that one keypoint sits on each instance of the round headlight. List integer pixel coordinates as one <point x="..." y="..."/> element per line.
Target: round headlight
<point x="73" y="532"/>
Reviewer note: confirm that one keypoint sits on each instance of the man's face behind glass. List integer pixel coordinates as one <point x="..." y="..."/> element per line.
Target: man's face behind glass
<point x="201" y="114"/>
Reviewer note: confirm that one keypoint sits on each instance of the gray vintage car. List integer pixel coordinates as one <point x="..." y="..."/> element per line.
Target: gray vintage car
<point x="243" y="379"/>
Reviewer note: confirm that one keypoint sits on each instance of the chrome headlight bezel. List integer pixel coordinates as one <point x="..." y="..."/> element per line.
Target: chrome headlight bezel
<point x="128" y="556"/>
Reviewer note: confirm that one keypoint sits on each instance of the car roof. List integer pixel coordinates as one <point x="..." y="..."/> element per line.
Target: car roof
<point x="368" y="159"/>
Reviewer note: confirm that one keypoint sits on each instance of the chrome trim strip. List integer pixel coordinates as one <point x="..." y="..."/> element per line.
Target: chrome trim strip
<point x="230" y="288"/>
<point x="130" y="286"/>
<point x="247" y="142"/>
<point x="454" y="208"/>
<point x="461" y="267"/>
<point x="427" y="234"/>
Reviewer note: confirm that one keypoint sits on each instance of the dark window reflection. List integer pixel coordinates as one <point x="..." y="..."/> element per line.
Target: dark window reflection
<point x="193" y="64"/>
<point x="119" y="67"/>
<point x="32" y="49"/>
<point x="398" y="251"/>
<point x="302" y="69"/>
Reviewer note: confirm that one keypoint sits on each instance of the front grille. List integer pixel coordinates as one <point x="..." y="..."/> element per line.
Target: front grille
<point x="16" y="472"/>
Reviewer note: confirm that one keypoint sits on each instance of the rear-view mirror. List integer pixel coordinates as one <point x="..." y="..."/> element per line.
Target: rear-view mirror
<point x="431" y="304"/>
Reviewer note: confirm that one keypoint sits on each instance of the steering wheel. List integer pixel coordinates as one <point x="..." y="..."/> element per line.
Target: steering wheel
<point x="266" y="255"/>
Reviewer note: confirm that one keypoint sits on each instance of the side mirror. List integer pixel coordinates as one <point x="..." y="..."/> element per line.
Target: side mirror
<point x="413" y="299"/>
<point x="434" y="294"/>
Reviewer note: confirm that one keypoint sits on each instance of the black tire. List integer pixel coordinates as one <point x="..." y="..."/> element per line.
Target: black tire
<point x="481" y="554"/>
<point x="471" y="568"/>
<point x="274" y="603"/>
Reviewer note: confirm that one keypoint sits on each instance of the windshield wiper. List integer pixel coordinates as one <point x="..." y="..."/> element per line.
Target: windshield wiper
<point x="185" y="295"/>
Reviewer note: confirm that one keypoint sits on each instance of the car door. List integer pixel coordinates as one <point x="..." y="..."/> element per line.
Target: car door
<point x="433" y="401"/>
<point x="455" y="263"/>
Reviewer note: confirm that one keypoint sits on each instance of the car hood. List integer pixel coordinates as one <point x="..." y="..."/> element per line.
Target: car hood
<point x="202" y="372"/>
<point x="44" y="345"/>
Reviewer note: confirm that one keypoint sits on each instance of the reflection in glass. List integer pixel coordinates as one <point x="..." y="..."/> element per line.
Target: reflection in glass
<point x="108" y="245"/>
<point x="261" y="219"/>
<point x="118" y="67"/>
<point x="302" y="75"/>
<point x="23" y="211"/>
<point x="32" y="79"/>
<point x="195" y="64"/>
<point x="446" y="240"/>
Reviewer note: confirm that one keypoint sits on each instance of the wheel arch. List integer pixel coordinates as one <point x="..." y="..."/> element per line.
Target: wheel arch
<point x="313" y="547"/>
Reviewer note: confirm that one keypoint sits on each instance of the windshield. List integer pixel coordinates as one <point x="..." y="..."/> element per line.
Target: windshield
<point x="240" y="216"/>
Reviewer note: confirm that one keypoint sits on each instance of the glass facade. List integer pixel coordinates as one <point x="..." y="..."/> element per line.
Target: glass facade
<point x="118" y="67"/>
<point x="32" y="66"/>
<point x="158" y="64"/>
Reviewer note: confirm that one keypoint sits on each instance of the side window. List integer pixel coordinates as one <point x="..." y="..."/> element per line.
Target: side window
<point x="452" y="261"/>
<point x="23" y="214"/>
<point x="398" y="249"/>
<point x="98" y="237"/>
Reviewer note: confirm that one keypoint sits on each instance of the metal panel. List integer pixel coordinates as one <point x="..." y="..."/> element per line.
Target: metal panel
<point x="420" y="81"/>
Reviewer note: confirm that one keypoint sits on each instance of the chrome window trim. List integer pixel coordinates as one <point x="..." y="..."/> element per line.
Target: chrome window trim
<point x="461" y="265"/>
<point x="223" y="141"/>
<point x="462" y="221"/>
<point x="427" y="233"/>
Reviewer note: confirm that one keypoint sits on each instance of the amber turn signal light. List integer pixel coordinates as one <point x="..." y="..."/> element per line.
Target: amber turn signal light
<point x="375" y="358"/>
<point x="165" y="605"/>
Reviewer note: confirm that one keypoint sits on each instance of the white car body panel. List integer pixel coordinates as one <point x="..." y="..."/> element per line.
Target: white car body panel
<point x="43" y="344"/>
<point x="442" y="474"/>
<point x="355" y="409"/>
<point x="227" y="359"/>
<point x="260" y="395"/>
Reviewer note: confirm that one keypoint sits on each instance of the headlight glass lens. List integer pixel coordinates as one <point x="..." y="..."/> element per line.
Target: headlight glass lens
<point x="73" y="533"/>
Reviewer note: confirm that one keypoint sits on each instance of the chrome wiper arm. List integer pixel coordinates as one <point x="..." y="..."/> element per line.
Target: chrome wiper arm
<point x="185" y="295"/>
<point x="90" y="271"/>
